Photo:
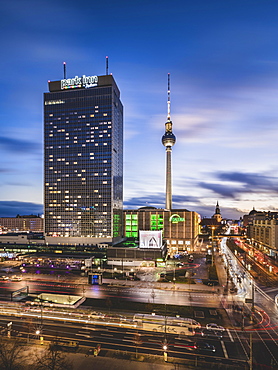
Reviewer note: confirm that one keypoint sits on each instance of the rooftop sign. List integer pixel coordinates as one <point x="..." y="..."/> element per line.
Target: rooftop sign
<point x="175" y="218"/>
<point x="76" y="82"/>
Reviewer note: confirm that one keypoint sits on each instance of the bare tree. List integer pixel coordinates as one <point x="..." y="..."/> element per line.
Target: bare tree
<point x="11" y="354"/>
<point x="52" y="359"/>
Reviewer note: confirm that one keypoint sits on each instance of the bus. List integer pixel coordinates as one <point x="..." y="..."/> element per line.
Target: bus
<point x="174" y="325"/>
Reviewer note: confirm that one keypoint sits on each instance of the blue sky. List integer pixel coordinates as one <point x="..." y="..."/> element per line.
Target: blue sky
<point x="223" y="61"/>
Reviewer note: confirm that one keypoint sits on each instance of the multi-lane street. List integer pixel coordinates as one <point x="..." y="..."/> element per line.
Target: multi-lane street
<point x="113" y="333"/>
<point x="121" y="333"/>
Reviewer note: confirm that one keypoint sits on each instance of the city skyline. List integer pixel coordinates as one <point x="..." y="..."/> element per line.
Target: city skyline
<point x="223" y="64"/>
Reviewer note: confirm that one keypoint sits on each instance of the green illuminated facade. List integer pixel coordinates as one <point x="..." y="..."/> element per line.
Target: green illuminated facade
<point x="131" y="226"/>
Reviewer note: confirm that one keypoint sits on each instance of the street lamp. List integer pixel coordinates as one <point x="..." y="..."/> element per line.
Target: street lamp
<point x="165" y="348"/>
<point x="212" y="245"/>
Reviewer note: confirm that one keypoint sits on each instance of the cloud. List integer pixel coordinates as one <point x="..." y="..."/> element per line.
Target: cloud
<point x="12" y="208"/>
<point x="18" y="146"/>
<point x="239" y="183"/>
<point x="251" y="182"/>
<point x="157" y="200"/>
<point x="223" y="190"/>
<point x="226" y="212"/>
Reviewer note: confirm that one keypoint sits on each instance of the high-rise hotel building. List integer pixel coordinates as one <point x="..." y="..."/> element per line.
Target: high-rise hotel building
<point x="83" y="160"/>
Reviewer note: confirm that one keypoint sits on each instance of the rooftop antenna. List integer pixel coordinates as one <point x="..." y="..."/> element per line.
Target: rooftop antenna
<point x="168" y="101"/>
<point x="65" y="74"/>
<point x="106" y="65"/>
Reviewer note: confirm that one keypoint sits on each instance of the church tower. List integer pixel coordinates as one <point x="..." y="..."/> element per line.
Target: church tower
<point x="217" y="214"/>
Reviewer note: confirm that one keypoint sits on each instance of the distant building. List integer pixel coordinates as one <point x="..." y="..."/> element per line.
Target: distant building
<point x="262" y="230"/>
<point x="214" y="224"/>
<point x="180" y="227"/>
<point x="83" y="160"/>
<point x="29" y="223"/>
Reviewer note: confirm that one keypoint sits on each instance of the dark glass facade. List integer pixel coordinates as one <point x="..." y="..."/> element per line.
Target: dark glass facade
<point x="83" y="160"/>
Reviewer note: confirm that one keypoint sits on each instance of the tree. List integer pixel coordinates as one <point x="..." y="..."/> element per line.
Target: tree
<point x="11" y="354"/>
<point x="52" y="359"/>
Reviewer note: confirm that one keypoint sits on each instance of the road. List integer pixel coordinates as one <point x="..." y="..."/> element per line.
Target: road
<point x="121" y="336"/>
<point x="235" y="346"/>
<point x="178" y="294"/>
<point x="118" y="334"/>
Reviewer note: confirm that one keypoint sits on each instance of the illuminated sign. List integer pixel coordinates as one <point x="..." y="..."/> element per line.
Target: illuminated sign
<point x="84" y="81"/>
<point x="176" y="218"/>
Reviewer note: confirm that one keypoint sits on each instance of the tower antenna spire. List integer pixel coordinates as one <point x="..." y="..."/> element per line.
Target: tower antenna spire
<point x="65" y="74"/>
<point x="169" y="99"/>
<point x="106" y="65"/>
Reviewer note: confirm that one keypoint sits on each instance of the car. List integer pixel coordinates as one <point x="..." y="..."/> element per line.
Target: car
<point x="4" y="277"/>
<point x="190" y="258"/>
<point x="180" y="264"/>
<point x="213" y="334"/>
<point x="215" y="327"/>
<point x="212" y="282"/>
<point x="202" y="346"/>
<point x="16" y="278"/>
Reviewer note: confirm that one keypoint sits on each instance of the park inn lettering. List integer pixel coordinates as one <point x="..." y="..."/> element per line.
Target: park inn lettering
<point x="84" y="81"/>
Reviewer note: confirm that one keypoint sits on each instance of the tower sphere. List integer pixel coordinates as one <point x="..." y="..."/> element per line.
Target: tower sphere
<point x="168" y="139"/>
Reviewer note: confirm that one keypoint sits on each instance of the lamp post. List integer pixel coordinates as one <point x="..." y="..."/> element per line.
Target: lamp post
<point x="9" y="329"/>
<point x="212" y="245"/>
<point x="164" y="345"/>
<point x="165" y="354"/>
<point x="39" y="332"/>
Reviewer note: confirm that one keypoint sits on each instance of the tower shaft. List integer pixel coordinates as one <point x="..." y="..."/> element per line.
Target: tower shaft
<point x="168" y="140"/>
<point x="168" y="178"/>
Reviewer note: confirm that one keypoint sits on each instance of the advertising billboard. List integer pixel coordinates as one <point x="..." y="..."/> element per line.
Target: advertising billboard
<point x="150" y="239"/>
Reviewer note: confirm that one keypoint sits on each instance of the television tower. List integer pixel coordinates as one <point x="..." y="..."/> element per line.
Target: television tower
<point x="168" y="140"/>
